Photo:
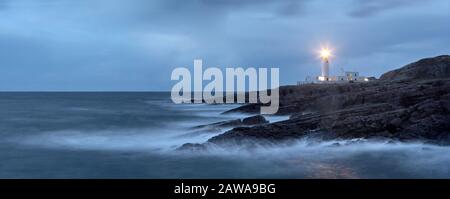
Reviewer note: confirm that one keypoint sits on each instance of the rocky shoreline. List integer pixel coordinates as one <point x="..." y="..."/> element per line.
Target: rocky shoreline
<point x="408" y="104"/>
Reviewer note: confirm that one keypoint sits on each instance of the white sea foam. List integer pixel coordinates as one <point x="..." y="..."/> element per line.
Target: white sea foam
<point x="305" y="158"/>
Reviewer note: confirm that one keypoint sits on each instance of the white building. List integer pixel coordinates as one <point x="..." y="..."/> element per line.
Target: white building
<point x="346" y="77"/>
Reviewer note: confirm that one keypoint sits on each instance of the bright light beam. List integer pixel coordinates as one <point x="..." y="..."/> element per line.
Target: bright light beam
<point x="325" y="53"/>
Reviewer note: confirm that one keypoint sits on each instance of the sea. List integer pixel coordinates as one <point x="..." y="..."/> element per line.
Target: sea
<point x="134" y="135"/>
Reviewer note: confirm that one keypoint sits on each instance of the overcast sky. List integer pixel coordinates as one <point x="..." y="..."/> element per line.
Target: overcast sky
<point x="95" y="45"/>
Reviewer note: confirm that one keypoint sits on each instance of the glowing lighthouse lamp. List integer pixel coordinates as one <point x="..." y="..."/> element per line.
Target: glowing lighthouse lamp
<point x="325" y="54"/>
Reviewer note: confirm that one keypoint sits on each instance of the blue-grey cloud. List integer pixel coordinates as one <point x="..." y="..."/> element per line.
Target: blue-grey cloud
<point x="135" y="44"/>
<point x="366" y="8"/>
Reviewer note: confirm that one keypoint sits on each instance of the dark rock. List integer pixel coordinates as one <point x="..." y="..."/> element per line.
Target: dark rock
<point x="422" y="118"/>
<point x="254" y="120"/>
<point x="430" y="68"/>
<point x="249" y="121"/>
<point x="192" y="147"/>
<point x="336" y="144"/>
<point x="229" y="123"/>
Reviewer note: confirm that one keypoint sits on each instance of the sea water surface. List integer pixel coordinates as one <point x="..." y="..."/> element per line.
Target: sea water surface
<point x="135" y="135"/>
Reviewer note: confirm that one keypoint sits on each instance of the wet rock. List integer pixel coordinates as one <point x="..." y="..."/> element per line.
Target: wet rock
<point x="249" y="121"/>
<point x="336" y="144"/>
<point x="254" y="120"/>
<point x="229" y="123"/>
<point x="192" y="147"/>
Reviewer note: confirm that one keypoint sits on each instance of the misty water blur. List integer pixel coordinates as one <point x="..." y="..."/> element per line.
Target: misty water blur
<point x="135" y="135"/>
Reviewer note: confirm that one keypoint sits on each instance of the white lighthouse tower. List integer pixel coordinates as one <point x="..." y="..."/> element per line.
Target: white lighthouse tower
<point x="326" y="68"/>
<point x="325" y="55"/>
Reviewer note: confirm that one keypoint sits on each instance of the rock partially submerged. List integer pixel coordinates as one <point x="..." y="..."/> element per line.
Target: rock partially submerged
<point x="254" y="120"/>
<point x="192" y="147"/>
<point x="214" y="127"/>
<point x="249" y="121"/>
<point x="222" y="124"/>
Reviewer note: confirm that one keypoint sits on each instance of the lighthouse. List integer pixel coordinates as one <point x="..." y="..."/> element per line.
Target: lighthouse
<point x="326" y="68"/>
<point x="325" y="55"/>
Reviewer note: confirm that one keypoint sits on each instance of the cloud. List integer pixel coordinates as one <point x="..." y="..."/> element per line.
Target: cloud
<point x="135" y="44"/>
<point x="279" y="7"/>
<point x="3" y="4"/>
<point x="367" y="8"/>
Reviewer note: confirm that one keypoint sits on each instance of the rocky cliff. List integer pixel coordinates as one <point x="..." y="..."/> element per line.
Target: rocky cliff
<point x="407" y="104"/>
<point x="429" y="68"/>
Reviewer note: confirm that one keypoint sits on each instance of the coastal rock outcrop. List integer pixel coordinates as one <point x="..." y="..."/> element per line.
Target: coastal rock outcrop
<point x="407" y="104"/>
<point x="428" y="68"/>
<point x="214" y="127"/>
